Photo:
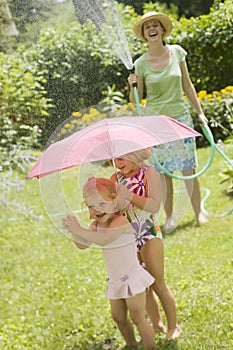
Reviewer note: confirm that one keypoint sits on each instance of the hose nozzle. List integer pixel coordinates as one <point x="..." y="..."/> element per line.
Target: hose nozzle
<point x="132" y="71"/>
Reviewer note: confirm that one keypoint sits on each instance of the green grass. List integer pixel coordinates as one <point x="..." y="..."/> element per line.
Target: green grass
<point x="53" y="295"/>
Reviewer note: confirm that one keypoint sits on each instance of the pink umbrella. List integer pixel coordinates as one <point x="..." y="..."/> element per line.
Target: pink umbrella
<point x="107" y="139"/>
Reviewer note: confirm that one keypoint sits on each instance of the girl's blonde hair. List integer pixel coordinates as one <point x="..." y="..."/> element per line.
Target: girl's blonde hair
<point x="138" y="157"/>
<point x="107" y="190"/>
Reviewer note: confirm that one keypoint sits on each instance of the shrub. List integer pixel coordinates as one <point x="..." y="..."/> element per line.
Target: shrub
<point x="209" y="42"/>
<point x="218" y="108"/>
<point x="23" y="105"/>
<point x="72" y="67"/>
<point x="77" y="67"/>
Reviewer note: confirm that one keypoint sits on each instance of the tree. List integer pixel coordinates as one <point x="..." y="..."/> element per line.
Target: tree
<point x="192" y="8"/>
<point x="27" y="12"/>
<point x="185" y="7"/>
<point x="136" y="4"/>
<point x="8" y="30"/>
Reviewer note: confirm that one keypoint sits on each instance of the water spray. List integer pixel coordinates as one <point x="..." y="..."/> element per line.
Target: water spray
<point x="104" y="15"/>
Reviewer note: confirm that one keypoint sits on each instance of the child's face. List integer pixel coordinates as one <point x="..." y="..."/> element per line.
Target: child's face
<point x="126" y="166"/>
<point x="100" y="209"/>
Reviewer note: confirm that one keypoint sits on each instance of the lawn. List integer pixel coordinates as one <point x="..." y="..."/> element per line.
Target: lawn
<point x="53" y="295"/>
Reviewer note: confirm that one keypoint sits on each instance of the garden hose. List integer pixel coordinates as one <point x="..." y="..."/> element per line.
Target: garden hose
<point x="207" y="194"/>
<point x="136" y="96"/>
<point x="209" y="136"/>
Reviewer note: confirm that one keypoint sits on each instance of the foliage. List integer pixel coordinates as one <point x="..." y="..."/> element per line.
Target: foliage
<point x="209" y="42"/>
<point x="53" y="295"/>
<point x="191" y="8"/>
<point x="7" y="42"/>
<point x="112" y="97"/>
<point x="25" y="12"/>
<point x="77" y="67"/>
<point x="81" y="119"/>
<point x="58" y="14"/>
<point x="23" y="105"/>
<point x="218" y="108"/>
<point x="185" y="8"/>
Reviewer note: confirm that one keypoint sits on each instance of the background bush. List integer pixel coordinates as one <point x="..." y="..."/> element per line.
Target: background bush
<point x="77" y="67"/>
<point x="23" y="105"/>
<point x="72" y="66"/>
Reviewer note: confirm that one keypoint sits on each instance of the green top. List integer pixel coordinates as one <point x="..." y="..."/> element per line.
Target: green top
<point x="164" y="87"/>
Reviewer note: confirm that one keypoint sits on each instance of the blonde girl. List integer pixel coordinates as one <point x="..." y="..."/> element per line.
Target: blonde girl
<point x="140" y="185"/>
<point x="128" y="280"/>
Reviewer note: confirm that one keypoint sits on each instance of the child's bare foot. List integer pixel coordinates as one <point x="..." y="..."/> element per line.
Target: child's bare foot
<point x="201" y="219"/>
<point x="159" y="329"/>
<point x="173" y="334"/>
<point x="170" y="225"/>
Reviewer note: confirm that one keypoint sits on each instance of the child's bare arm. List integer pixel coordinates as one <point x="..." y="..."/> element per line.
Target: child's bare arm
<point x="80" y="243"/>
<point x="152" y="202"/>
<point x="103" y="236"/>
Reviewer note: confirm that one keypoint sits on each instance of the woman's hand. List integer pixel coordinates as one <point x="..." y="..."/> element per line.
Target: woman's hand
<point x="132" y="79"/>
<point x="203" y="118"/>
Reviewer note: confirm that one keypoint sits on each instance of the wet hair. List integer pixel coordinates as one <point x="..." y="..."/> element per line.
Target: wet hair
<point x="106" y="189"/>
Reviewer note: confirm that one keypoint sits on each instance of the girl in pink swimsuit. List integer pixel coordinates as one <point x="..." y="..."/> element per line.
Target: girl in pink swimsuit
<point x="128" y="280"/>
<point x="140" y="185"/>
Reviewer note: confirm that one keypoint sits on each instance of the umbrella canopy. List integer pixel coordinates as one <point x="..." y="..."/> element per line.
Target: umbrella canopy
<point x="107" y="139"/>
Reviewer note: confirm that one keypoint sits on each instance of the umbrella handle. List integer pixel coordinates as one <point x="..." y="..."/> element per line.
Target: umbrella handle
<point x="115" y="169"/>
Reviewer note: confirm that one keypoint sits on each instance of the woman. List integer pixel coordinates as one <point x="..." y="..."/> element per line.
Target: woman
<point x="164" y="73"/>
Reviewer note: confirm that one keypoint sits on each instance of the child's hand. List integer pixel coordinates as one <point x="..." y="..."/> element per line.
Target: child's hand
<point x="123" y="192"/>
<point x="71" y="224"/>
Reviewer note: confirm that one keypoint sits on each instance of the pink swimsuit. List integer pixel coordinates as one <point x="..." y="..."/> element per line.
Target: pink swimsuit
<point x="126" y="276"/>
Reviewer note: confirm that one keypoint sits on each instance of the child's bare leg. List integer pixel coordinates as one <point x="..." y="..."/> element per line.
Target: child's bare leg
<point x="152" y="308"/>
<point x="136" y="306"/>
<point x="152" y="255"/>
<point x="119" y="315"/>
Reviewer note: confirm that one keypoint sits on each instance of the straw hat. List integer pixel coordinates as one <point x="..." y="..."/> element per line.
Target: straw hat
<point x="161" y="17"/>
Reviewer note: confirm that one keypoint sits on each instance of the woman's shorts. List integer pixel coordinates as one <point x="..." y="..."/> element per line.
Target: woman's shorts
<point x="176" y="155"/>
